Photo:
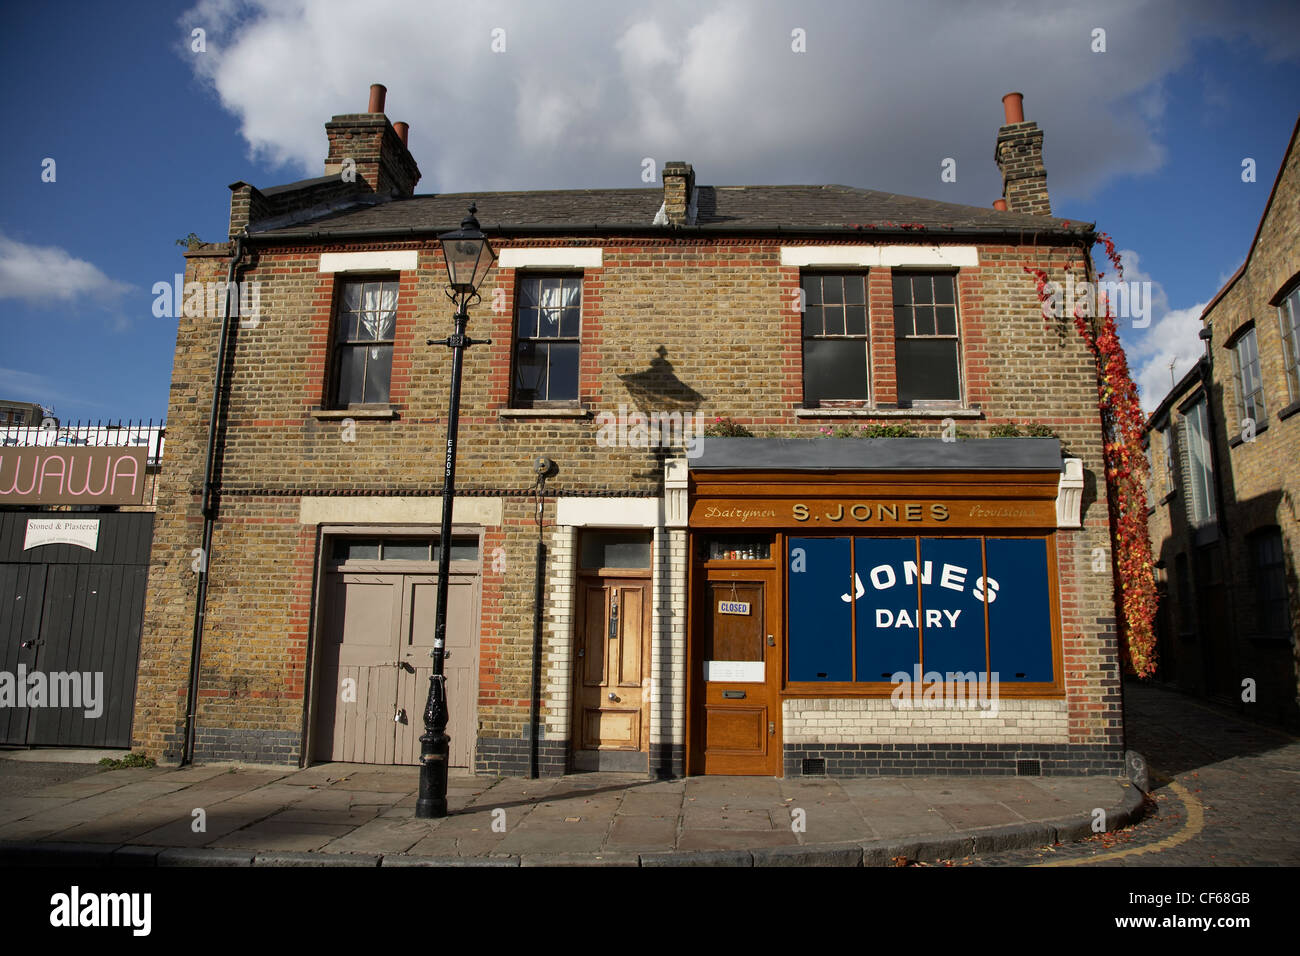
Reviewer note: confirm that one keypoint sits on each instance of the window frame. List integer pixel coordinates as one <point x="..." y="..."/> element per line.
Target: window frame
<point x="1171" y="459"/>
<point x="1261" y="570"/>
<point x="928" y="403"/>
<point x="1200" y="470"/>
<point x="523" y="276"/>
<point x="885" y="689"/>
<point x="1250" y="401"/>
<point x="334" y="399"/>
<point x="864" y="337"/>
<point x="1288" y="320"/>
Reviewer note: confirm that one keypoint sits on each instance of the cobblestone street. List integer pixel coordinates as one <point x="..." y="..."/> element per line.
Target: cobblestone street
<point x="1225" y="792"/>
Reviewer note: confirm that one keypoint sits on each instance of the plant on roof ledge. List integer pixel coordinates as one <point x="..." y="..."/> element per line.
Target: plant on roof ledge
<point x="867" y="431"/>
<point x="724" y="427"/>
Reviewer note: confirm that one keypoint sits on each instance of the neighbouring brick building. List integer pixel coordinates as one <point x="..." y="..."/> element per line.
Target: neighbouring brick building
<point x="1224" y="528"/>
<point x="643" y="599"/>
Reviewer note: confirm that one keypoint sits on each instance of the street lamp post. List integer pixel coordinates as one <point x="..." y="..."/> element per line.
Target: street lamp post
<point x="469" y="257"/>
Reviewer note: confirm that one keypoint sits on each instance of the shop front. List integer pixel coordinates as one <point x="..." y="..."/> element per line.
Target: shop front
<point x="870" y="599"/>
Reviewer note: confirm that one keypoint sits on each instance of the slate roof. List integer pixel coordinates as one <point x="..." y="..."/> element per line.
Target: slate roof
<point x="877" y="454"/>
<point x="787" y="209"/>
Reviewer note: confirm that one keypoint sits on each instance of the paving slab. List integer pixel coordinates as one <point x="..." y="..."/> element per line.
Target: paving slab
<point x="273" y="835"/>
<point x="360" y="813"/>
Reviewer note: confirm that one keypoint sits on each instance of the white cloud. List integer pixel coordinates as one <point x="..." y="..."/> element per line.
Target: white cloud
<point x="1171" y="338"/>
<point x="585" y="90"/>
<point x="1174" y="340"/>
<point x="48" y="275"/>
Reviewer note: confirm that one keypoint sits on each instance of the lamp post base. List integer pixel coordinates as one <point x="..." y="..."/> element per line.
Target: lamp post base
<point x="432" y="801"/>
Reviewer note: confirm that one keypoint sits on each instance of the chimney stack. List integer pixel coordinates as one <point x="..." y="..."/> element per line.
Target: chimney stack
<point x="679" y="188"/>
<point x="377" y="149"/>
<point x="1019" y="155"/>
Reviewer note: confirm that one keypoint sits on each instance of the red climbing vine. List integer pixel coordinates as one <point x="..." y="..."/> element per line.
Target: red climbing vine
<point x="1126" y="468"/>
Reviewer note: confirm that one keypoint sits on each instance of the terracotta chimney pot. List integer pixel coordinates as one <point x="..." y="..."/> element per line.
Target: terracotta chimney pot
<point x="1013" y="104"/>
<point x="403" y="129"/>
<point x="1000" y="205"/>
<point x="377" y="93"/>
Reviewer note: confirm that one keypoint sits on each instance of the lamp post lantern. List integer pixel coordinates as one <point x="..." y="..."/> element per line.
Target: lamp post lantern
<point x="469" y="257"/>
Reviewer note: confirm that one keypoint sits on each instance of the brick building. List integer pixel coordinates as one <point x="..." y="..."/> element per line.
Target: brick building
<point x="642" y="599"/>
<point x="1223" y="523"/>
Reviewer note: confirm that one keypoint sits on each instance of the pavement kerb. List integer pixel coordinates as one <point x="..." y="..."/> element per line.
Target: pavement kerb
<point x="866" y="853"/>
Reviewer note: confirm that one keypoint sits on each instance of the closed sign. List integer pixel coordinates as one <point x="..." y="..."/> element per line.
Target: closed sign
<point x="733" y="607"/>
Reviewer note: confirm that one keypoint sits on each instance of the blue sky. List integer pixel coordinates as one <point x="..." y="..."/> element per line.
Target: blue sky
<point x="1146" y="138"/>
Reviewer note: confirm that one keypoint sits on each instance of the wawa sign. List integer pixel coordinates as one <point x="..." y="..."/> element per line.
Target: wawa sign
<point x="44" y="475"/>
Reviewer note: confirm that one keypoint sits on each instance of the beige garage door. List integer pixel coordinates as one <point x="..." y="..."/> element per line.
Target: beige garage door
<point x="376" y="634"/>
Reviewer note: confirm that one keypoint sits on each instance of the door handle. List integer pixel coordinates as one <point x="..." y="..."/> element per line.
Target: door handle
<point x="613" y="696"/>
<point x="771" y="728"/>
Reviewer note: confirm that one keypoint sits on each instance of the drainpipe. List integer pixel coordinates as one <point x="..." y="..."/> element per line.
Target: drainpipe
<point x="209" y="515"/>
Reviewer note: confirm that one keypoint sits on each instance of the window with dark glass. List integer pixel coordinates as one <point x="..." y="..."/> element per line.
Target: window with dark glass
<point x="547" y="323"/>
<point x="614" y="549"/>
<point x="363" y="342"/>
<point x="1288" y="316"/>
<point x="1250" y="386"/>
<point x="865" y="609"/>
<point x="1200" y="465"/>
<point x="1171" y="458"/>
<point x="348" y="548"/>
<point x="926" y="351"/>
<point x="836" y="353"/>
<point x="1273" y="609"/>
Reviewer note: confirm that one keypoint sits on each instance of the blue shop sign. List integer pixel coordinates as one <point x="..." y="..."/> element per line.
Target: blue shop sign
<point x="863" y="609"/>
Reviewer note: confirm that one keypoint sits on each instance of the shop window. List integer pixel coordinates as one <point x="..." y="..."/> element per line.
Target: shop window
<point x="363" y="342"/>
<point x="1288" y="317"/>
<point x="926" y="352"/>
<point x="864" y="609"/>
<point x="735" y="547"/>
<point x="547" y="324"/>
<point x="1200" y="464"/>
<point x="615" y="549"/>
<point x="836" y="352"/>
<point x="1272" y="607"/>
<point x="1246" y="375"/>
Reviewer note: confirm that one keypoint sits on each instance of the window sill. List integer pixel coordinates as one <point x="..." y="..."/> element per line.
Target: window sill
<point x="956" y="412"/>
<point x="579" y="411"/>
<point x="1289" y="411"/>
<point x="1236" y="439"/>
<point x="368" y="411"/>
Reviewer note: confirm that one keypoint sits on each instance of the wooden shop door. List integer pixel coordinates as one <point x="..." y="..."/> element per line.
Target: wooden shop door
<point x="612" y="669"/>
<point x="735" y="674"/>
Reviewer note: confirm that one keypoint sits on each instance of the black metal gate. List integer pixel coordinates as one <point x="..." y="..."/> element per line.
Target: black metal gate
<point x="70" y="621"/>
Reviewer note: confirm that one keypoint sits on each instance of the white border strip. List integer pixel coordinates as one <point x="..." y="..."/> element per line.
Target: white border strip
<point x="608" y="512"/>
<point x="369" y="261"/>
<point x="867" y="256"/>
<point x="550" y="257"/>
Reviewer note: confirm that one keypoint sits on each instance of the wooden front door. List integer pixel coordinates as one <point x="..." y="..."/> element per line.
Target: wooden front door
<point x="612" y="668"/>
<point x="374" y="679"/>
<point x="735" y="674"/>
